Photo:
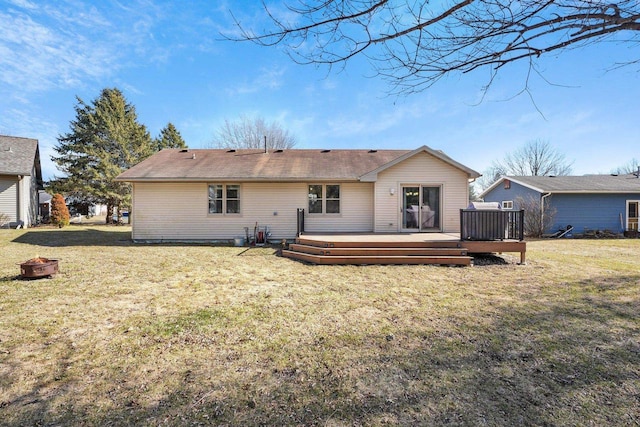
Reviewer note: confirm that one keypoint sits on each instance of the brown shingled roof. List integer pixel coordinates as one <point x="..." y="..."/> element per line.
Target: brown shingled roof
<point x="246" y="165"/>
<point x="280" y="165"/>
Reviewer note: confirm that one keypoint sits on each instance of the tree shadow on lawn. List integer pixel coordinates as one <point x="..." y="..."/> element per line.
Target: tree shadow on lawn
<point x="77" y="237"/>
<point x="115" y="237"/>
<point x="540" y="362"/>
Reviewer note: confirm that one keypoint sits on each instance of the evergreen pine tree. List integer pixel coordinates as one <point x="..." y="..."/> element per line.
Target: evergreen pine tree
<point x="169" y="138"/>
<point x="105" y="139"/>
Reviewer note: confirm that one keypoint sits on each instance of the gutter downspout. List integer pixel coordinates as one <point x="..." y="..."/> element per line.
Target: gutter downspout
<point x="544" y="196"/>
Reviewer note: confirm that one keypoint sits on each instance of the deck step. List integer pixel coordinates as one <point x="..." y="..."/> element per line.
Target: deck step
<point x="377" y="259"/>
<point x="378" y="244"/>
<point x="377" y="251"/>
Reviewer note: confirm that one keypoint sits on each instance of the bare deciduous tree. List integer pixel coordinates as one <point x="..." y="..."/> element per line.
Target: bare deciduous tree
<point x="630" y="167"/>
<point x="247" y="132"/>
<point x="415" y="43"/>
<point x="537" y="217"/>
<point x="535" y="158"/>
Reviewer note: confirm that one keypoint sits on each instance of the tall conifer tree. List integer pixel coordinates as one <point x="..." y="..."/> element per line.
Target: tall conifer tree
<point x="104" y="140"/>
<point x="169" y="138"/>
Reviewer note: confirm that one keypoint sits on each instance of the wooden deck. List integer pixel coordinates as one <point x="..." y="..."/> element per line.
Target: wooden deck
<point x="406" y="248"/>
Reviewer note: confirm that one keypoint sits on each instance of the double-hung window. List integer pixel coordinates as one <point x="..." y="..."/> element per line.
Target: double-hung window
<point x="224" y="198"/>
<point x="324" y="198"/>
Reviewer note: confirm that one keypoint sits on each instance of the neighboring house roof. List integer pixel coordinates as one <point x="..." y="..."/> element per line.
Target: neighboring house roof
<point x="17" y="156"/>
<point x="626" y="183"/>
<point x="279" y="165"/>
<point x="44" y="197"/>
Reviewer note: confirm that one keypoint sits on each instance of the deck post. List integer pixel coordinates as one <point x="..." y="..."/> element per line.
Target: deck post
<point x="521" y="228"/>
<point x="300" y="219"/>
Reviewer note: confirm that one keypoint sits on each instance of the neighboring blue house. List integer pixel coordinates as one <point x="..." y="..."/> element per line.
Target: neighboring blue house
<point x="589" y="202"/>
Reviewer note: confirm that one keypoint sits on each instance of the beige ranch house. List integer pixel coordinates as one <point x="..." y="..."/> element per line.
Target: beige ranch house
<point x="211" y="194"/>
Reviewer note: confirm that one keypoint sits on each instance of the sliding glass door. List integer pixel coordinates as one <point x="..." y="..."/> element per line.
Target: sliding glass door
<point x="421" y="208"/>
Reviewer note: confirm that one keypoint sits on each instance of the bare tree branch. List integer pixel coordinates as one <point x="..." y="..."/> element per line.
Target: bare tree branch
<point x="535" y="158"/>
<point x="632" y="166"/>
<point x="413" y="44"/>
<point x="246" y="132"/>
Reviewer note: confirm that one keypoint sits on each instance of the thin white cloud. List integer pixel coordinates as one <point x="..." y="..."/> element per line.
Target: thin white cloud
<point x="71" y="43"/>
<point x="19" y="122"/>
<point x="268" y="78"/>
<point x="366" y="121"/>
<point x="36" y="57"/>
<point x="25" y="4"/>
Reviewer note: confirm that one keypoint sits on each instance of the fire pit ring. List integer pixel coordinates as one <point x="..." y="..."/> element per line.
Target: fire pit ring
<point x="38" y="267"/>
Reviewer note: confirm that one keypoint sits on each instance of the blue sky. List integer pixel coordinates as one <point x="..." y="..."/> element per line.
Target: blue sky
<point x="169" y="60"/>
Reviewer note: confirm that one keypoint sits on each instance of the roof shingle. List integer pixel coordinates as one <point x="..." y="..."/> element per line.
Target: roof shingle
<point x="17" y="155"/>
<point x="581" y="184"/>
<point x="248" y="165"/>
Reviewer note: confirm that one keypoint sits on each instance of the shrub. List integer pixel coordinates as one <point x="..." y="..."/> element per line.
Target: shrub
<point x="538" y="218"/>
<point x="59" y="211"/>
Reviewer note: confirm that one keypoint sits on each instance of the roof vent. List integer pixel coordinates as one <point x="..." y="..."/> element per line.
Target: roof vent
<point x="325" y="151"/>
<point x="373" y="151"/>
<point x="278" y="151"/>
<point x="184" y="150"/>
<point x="231" y="151"/>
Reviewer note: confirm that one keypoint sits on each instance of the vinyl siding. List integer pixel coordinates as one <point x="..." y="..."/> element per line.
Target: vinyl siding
<point x="590" y="211"/>
<point x="27" y="207"/>
<point x="356" y="211"/>
<point x="422" y="169"/>
<point x="179" y="211"/>
<point x="9" y="197"/>
<point x="582" y="211"/>
<point x="34" y="203"/>
<point x="513" y="193"/>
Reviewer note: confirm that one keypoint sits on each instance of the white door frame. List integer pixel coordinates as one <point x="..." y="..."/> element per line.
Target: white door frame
<point x="401" y="202"/>
<point x="626" y="214"/>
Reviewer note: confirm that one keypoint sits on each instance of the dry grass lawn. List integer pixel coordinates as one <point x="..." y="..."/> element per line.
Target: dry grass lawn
<point x="189" y="335"/>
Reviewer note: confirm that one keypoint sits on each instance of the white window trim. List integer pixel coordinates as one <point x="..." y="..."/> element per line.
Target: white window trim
<point x="224" y="199"/>
<point x="325" y="198"/>
<point x="507" y="204"/>
<point x="626" y="214"/>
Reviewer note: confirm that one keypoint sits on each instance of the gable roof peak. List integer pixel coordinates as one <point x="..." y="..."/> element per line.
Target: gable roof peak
<point x="18" y="155"/>
<point x="439" y="154"/>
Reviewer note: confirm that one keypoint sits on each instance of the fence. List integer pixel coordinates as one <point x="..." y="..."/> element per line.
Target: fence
<point x="491" y="224"/>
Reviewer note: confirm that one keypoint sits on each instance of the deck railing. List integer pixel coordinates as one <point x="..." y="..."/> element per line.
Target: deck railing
<point x="478" y="224"/>
<point x="300" y="227"/>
